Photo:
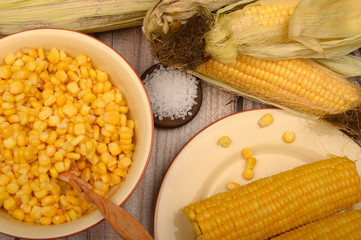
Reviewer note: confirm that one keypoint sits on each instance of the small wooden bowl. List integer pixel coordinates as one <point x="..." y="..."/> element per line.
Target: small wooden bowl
<point x="167" y="122"/>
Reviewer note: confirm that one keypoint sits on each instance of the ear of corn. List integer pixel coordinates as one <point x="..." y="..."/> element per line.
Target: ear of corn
<point x="346" y="225"/>
<point x="260" y="24"/>
<point x="278" y="29"/>
<point x="79" y="15"/>
<point x="276" y="204"/>
<point x="268" y="29"/>
<point x="294" y="84"/>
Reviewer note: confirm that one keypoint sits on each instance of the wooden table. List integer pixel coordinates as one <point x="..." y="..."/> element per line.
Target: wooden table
<point x="132" y="44"/>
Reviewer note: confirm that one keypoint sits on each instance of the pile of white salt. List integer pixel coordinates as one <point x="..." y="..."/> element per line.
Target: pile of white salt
<point x="172" y="92"/>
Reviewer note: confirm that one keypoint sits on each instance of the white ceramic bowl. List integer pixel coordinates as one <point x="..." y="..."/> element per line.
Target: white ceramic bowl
<point x="132" y="88"/>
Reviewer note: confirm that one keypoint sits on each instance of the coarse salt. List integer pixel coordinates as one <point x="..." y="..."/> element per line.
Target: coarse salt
<point x="172" y="92"/>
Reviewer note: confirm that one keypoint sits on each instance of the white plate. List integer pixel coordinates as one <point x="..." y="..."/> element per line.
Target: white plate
<point x="203" y="168"/>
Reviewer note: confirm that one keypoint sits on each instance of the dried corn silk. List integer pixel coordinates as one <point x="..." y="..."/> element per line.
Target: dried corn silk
<point x="172" y="92"/>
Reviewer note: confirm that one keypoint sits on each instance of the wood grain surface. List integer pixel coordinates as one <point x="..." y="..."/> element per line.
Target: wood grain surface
<point x="132" y="45"/>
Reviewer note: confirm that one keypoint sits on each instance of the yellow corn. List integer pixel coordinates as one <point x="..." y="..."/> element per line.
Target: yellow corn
<point x="346" y="225"/>
<point x="262" y="23"/>
<point x="248" y="173"/>
<point x="267" y="207"/>
<point x="18" y="214"/>
<point x="232" y="185"/>
<point x="288" y="136"/>
<point x="247" y="152"/>
<point x="265" y="120"/>
<point x="294" y="83"/>
<point x="251" y="163"/>
<point x="44" y="129"/>
<point x="225" y="141"/>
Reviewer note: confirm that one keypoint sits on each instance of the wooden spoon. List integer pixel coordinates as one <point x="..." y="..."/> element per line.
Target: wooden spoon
<point x="121" y="221"/>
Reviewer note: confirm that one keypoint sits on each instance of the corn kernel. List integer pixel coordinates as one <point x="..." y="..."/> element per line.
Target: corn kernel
<point x="232" y="185"/>
<point x="114" y="148"/>
<point x="225" y="141"/>
<point x="40" y="194"/>
<point x="112" y="117"/>
<point x="10" y="58"/>
<point x="289" y="136"/>
<point x="16" y="87"/>
<point x="73" y="200"/>
<point x="73" y="156"/>
<point x="50" y="101"/>
<point x="247" y="152"/>
<point x="59" y="166"/>
<point x="54" y="56"/>
<point x="70" y="109"/>
<point x="73" y="76"/>
<point x="101" y="76"/>
<point x="125" y="162"/>
<point x="248" y="173"/>
<point x="45" y="220"/>
<point x="73" y="88"/>
<point x="107" y="86"/>
<point x="88" y="97"/>
<point x="123" y="109"/>
<point x="265" y="120"/>
<point x="12" y="187"/>
<point x="5" y="71"/>
<point x="251" y="163"/>
<point x="59" y="219"/>
<point x="10" y="204"/>
<point x="108" y="97"/>
<point x="45" y="113"/>
<point x="48" y="211"/>
<point x="18" y="214"/>
<point x="79" y="129"/>
<point x="9" y="143"/>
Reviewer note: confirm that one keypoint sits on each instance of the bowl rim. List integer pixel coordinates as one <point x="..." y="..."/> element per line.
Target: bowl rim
<point x="145" y="166"/>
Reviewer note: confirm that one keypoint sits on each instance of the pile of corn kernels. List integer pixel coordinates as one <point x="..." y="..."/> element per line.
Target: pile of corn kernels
<point x="56" y="111"/>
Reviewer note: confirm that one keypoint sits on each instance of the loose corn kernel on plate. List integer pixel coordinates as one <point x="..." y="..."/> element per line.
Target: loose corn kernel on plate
<point x="210" y="167"/>
<point x="71" y="113"/>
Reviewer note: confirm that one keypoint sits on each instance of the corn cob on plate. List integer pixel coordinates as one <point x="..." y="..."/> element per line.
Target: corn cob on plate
<point x="203" y="168"/>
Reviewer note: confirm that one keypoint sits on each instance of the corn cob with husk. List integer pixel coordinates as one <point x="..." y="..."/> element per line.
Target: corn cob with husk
<point x="346" y="225"/>
<point x="271" y="29"/>
<point x="273" y="205"/>
<point x="293" y="84"/>
<point x="298" y="85"/>
<point x="275" y="29"/>
<point x="85" y="16"/>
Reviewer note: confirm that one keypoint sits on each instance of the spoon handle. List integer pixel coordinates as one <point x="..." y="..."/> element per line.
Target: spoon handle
<point x="121" y="221"/>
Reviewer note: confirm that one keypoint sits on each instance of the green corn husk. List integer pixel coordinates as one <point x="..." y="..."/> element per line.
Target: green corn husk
<point x="316" y="29"/>
<point x="323" y="24"/>
<point x="347" y="66"/>
<point x="79" y="15"/>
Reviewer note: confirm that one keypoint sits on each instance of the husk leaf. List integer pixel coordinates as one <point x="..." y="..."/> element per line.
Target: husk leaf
<point x="347" y="66"/>
<point x="84" y="16"/>
<point x="316" y="29"/>
<point x="334" y="21"/>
